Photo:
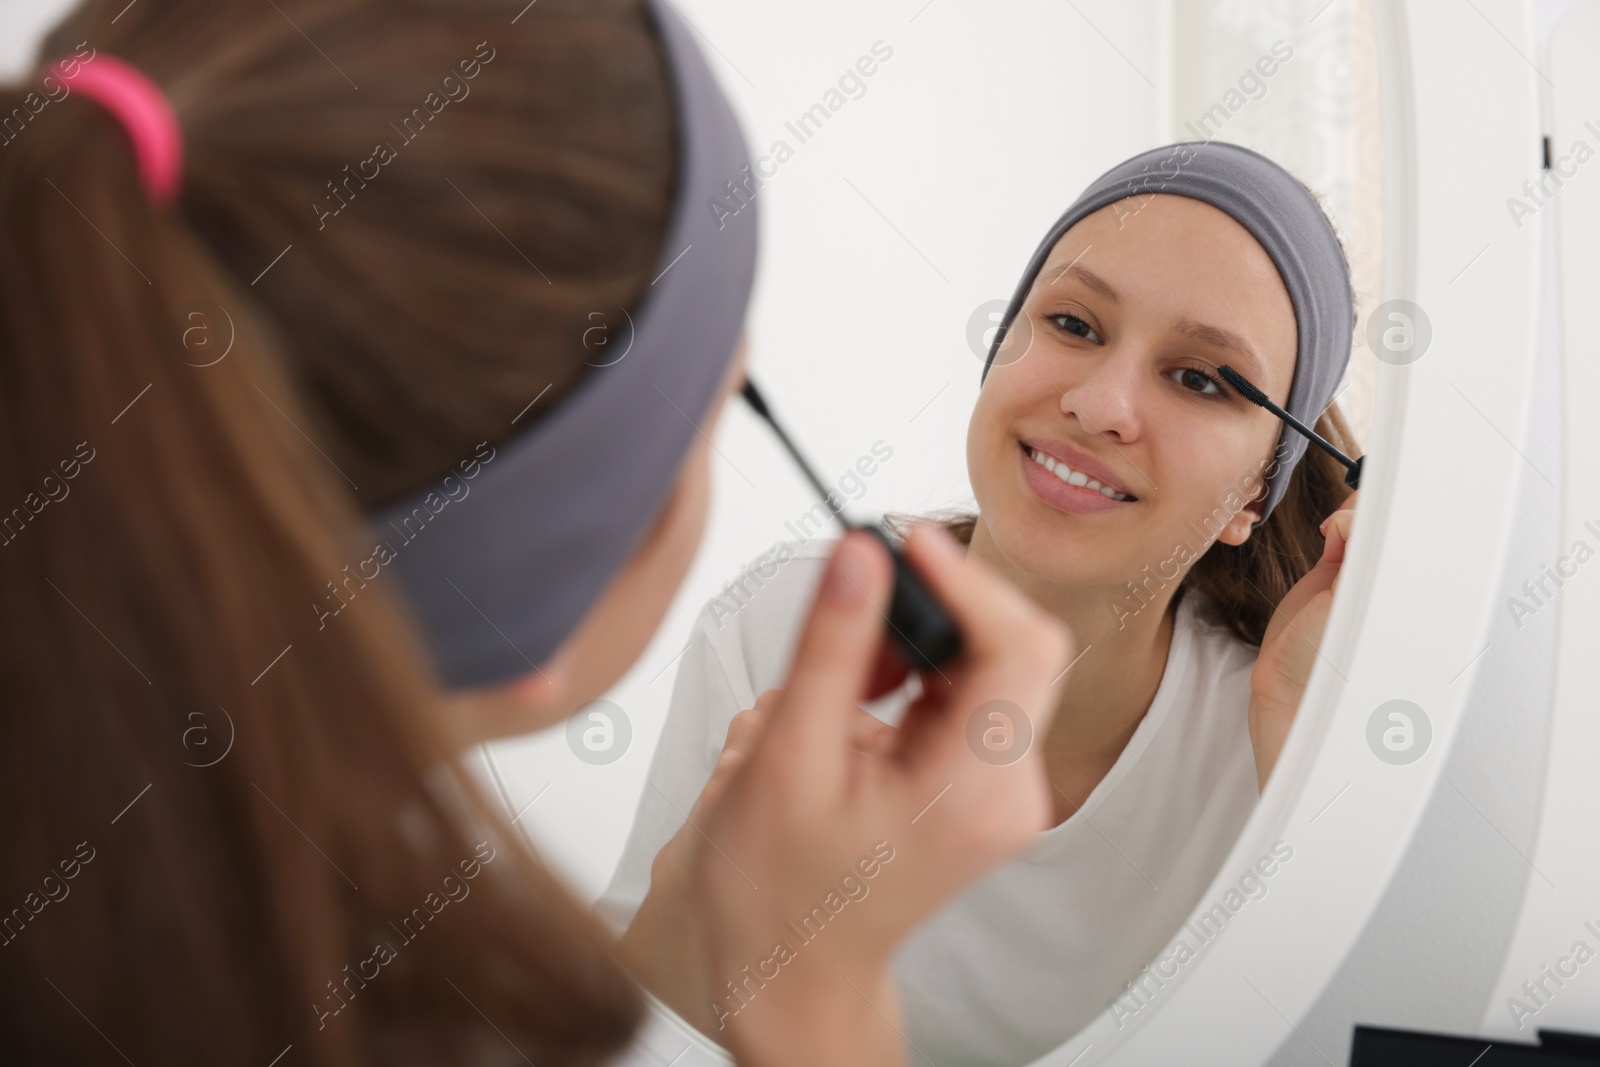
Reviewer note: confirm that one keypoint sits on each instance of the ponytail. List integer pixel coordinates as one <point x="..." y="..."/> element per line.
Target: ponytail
<point x="267" y="837"/>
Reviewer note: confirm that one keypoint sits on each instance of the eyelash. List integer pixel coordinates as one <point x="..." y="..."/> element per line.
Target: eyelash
<point x="1200" y="369"/>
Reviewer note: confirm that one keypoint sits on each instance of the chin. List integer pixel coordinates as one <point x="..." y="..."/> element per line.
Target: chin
<point x="1056" y="546"/>
<point x="1028" y="536"/>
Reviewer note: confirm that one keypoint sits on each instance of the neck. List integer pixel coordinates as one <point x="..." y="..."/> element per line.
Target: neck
<point x="1122" y="654"/>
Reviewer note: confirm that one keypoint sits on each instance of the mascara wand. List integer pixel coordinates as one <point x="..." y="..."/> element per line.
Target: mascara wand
<point x="926" y="633"/>
<point x="1242" y="385"/>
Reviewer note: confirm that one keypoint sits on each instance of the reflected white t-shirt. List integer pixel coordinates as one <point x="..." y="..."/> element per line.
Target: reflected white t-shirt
<point x="1039" y="947"/>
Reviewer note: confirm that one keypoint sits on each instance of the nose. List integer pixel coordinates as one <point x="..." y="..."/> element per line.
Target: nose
<point x="1104" y="398"/>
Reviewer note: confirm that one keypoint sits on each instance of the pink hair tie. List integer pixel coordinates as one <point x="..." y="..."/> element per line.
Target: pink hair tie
<point x="139" y="104"/>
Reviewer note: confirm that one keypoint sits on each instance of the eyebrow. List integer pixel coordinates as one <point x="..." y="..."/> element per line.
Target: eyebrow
<point x="1217" y="337"/>
<point x="1091" y="281"/>
<point x="1214" y="336"/>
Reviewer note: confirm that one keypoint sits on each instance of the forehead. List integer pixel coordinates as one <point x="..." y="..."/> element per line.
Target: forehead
<point x="1172" y="258"/>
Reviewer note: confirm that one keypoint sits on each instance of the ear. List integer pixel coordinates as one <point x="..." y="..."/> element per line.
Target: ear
<point x="1238" y="530"/>
<point x="538" y="689"/>
<point x="533" y="701"/>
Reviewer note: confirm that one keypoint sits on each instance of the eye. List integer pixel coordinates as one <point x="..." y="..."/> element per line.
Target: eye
<point x="1195" y="375"/>
<point x="1071" y="324"/>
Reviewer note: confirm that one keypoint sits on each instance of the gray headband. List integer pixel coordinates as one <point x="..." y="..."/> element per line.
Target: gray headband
<point x="1267" y="201"/>
<point x="501" y="569"/>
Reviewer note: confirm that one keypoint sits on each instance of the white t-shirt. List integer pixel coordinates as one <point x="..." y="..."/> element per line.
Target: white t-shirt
<point x="666" y="1040"/>
<point x="1039" y="947"/>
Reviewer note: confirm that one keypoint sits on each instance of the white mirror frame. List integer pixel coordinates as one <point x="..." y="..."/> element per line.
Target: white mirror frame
<point x="1461" y="133"/>
<point x="1563" y="882"/>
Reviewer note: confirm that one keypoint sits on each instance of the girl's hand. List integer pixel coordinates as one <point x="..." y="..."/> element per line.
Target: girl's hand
<point x="819" y="858"/>
<point x="1291" y="643"/>
<point x="665" y="944"/>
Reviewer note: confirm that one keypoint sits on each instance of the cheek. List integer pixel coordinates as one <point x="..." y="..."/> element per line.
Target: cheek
<point x="985" y="431"/>
<point x="670" y="549"/>
<point x="1008" y="395"/>
<point x="619" y="627"/>
<point x="977" y="434"/>
<point x="685" y="523"/>
<point x="1207" y="480"/>
<point x="1014" y="397"/>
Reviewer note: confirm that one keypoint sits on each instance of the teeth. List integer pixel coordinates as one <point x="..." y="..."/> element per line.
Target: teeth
<point x="1072" y="477"/>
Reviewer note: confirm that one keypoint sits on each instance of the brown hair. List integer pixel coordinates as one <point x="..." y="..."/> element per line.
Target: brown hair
<point x="232" y="827"/>
<point x="1246" y="583"/>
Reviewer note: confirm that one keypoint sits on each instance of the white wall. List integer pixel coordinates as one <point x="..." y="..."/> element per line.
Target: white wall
<point x="21" y="26"/>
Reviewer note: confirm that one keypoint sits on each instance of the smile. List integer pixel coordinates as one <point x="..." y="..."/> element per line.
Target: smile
<point x="1072" y="477"/>
<point x="1055" y="484"/>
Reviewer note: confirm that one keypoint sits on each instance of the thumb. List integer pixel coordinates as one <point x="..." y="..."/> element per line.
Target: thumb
<point x="835" y="656"/>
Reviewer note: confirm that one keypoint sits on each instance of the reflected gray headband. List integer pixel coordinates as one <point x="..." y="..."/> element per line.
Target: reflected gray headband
<point x="1267" y="201"/>
<point x="499" y="570"/>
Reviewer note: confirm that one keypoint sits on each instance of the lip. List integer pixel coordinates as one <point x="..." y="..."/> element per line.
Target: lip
<point x="1055" y="493"/>
<point x="1078" y="461"/>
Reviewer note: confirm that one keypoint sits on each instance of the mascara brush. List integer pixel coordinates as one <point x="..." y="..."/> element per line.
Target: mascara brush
<point x="1244" y="388"/>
